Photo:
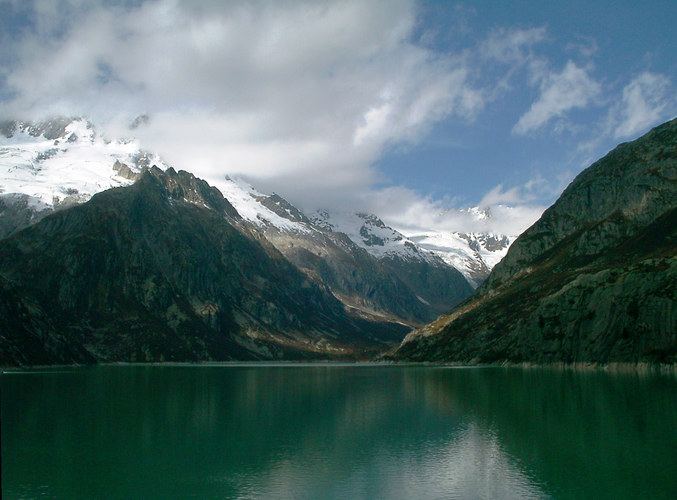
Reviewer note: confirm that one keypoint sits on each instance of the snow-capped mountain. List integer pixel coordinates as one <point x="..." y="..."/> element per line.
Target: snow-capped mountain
<point x="53" y="164"/>
<point x="37" y="160"/>
<point x="252" y="206"/>
<point x="372" y="234"/>
<point x="49" y="165"/>
<point x="369" y="266"/>
<point x="37" y="176"/>
<point x="373" y="270"/>
<point x="474" y="254"/>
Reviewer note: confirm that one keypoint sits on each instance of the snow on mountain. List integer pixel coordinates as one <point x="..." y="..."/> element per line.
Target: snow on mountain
<point x="474" y="254"/>
<point x="249" y="203"/>
<point x="65" y="161"/>
<point x="372" y="234"/>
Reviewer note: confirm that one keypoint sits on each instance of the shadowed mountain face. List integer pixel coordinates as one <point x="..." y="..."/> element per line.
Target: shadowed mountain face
<point x="53" y="165"/>
<point x="413" y="289"/>
<point x="595" y="279"/>
<point x="165" y="270"/>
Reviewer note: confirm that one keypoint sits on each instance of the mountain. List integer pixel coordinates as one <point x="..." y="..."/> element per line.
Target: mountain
<point x="57" y="163"/>
<point x="54" y="164"/>
<point x="402" y="283"/>
<point x="594" y="280"/>
<point x="50" y="170"/>
<point x="165" y="269"/>
<point x="473" y="254"/>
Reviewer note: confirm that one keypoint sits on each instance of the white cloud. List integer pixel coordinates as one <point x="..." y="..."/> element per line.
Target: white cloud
<point x="512" y="46"/>
<point x="510" y="212"/>
<point x="644" y="103"/>
<point x="498" y="196"/>
<point x="560" y="92"/>
<point x="270" y="90"/>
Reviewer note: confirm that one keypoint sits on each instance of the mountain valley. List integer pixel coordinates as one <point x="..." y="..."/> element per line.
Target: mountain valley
<point x="108" y="254"/>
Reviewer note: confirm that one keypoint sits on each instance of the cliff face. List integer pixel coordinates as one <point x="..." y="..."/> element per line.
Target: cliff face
<point x="164" y="270"/>
<point x="595" y="279"/>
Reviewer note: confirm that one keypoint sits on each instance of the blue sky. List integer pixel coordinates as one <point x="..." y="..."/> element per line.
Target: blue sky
<point x="414" y="110"/>
<point x="614" y="43"/>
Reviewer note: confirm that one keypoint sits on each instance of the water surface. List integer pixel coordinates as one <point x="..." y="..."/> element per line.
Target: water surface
<point x="337" y="431"/>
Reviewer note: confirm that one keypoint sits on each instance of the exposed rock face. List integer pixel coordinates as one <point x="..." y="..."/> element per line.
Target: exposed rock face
<point x="165" y="270"/>
<point x="385" y="267"/>
<point x="19" y="211"/>
<point x="595" y="279"/>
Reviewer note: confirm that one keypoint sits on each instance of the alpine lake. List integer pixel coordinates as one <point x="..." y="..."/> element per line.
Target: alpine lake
<point x="337" y="431"/>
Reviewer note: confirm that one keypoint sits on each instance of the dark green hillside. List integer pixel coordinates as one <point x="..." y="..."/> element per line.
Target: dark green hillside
<point x="163" y="270"/>
<point x="594" y="280"/>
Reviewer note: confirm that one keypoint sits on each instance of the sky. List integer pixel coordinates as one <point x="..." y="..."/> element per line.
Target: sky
<point x="413" y="110"/>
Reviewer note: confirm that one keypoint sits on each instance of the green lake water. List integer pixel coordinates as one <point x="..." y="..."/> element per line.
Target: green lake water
<point x="337" y="432"/>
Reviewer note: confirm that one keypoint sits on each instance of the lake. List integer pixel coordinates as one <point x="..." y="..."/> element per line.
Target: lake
<point x="270" y="431"/>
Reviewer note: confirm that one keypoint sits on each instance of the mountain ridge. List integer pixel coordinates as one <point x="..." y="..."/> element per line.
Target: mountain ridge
<point x="159" y="271"/>
<point x="40" y="173"/>
<point x="593" y="280"/>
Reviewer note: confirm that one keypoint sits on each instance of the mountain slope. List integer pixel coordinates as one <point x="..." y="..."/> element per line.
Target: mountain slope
<point x="54" y="164"/>
<point x="165" y="270"/>
<point x="58" y="163"/>
<point x="595" y="279"/>
<point x="400" y="283"/>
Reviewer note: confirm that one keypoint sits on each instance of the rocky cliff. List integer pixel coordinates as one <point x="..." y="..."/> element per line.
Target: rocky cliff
<point x="595" y="279"/>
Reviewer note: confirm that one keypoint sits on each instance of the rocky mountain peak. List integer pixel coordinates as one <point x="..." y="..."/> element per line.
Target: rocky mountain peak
<point x="284" y="209"/>
<point x="184" y="186"/>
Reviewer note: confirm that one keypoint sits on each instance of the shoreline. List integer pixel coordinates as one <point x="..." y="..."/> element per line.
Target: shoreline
<point x="611" y="367"/>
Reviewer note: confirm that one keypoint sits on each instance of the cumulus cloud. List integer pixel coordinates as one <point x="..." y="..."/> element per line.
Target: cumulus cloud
<point x="299" y="97"/>
<point x="262" y="89"/>
<point x="644" y="103"/>
<point x="560" y="92"/>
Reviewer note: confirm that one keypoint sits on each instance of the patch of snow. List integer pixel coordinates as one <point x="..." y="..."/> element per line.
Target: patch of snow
<point x="246" y="201"/>
<point x="78" y="164"/>
<point x="474" y="254"/>
<point x="370" y="233"/>
<point x="423" y="300"/>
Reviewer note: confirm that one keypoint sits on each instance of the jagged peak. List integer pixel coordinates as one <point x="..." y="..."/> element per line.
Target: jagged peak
<point x="184" y="186"/>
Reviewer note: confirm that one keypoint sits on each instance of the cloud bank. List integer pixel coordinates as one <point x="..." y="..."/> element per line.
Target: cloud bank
<point x="559" y="92"/>
<point x="264" y="89"/>
<point x="301" y="97"/>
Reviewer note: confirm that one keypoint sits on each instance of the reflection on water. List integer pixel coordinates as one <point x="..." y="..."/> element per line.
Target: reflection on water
<point x="337" y="432"/>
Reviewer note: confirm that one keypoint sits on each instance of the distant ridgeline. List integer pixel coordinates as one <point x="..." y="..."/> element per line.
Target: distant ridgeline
<point x="594" y="280"/>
